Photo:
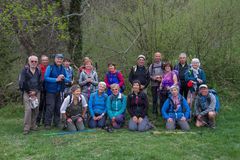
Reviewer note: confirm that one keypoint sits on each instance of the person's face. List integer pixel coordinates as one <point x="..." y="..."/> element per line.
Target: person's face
<point x="141" y="62"/>
<point x="66" y="64"/>
<point x="33" y="62"/>
<point x="58" y="61"/>
<point x="88" y="65"/>
<point x="45" y="61"/>
<point x="204" y="91"/>
<point x="174" y="92"/>
<point x="101" y="88"/>
<point x="182" y="59"/>
<point x="157" y="57"/>
<point x="136" y="87"/>
<point x="195" y="65"/>
<point x="115" y="91"/>
<point x="167" y="68"/>
<point x="77" y="92"/>
<point x="111" y="68"/>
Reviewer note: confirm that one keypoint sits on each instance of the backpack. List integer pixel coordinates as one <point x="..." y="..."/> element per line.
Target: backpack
<point x="214" y="92"/>
<point x="153" y="68"/>
<point x="117" y="73"/>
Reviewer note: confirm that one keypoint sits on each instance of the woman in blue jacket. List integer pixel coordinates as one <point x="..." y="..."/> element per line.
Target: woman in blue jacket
<point x="176" y="110"/>
<point x="194" y="77"/>
<point x="98" y="107"/>
<point x="116" y="106"/>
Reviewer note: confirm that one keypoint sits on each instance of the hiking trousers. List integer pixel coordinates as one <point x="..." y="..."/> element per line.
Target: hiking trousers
<point x="143" y="126"/>
<point x="30" y="115"/>
<point x="182" y="124"/>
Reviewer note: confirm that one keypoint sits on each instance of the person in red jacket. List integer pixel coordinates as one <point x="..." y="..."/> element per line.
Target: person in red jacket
<point x="114" y="76"/>
<point x="42" y="106"/>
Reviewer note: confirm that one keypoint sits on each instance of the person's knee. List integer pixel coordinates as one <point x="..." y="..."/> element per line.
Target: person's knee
<point x="211" y="115"/>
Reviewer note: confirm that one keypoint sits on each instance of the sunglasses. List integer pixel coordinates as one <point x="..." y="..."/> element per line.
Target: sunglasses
<point x="34" y="61"/>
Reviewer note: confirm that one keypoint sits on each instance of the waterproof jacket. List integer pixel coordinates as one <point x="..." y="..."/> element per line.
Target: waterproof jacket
<point x="190" y="76"/>
<point x="29" y="81"/>
<point x="97" y="103"/>
<point x="50" y="78"/>
<point x="116" y="105"/>
<point x="170" y="110"/>
<point x="204" y="104"/>
<point x="137" y="105"/>
<point x="140" y="73"/>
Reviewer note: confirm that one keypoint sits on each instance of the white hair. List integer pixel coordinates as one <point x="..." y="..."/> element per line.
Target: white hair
<point x="114" y="85"/>
<point x="183" y="55"/>
<point x="102" y="83"/>
<point x="32" y="57"/>
<point x="196" y="60"/>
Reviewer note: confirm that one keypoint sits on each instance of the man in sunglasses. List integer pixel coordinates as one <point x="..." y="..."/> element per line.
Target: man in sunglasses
<point x="30" y="84"/>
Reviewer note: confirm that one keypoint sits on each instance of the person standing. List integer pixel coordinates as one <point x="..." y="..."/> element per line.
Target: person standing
<point x="140" y="72"/>
<point x="42" y="106"/>
<point x="182" y="67"/>
<point x="88" y="79"/>
<point x="69" y="71"/>
<point x="194" y="77"/>
<point x="114" y="76"/>
<point x="30" y="84"/>
<point x="55" y="78"/>
<point x="156" y="74"/>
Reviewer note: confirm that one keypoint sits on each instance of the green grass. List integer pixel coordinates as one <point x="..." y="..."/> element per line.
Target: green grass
<point x="222" y="143"/>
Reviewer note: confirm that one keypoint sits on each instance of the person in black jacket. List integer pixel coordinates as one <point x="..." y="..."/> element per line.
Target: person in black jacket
<point x="30" y="84"/>
<point x="182" y="67"/>
<point x="140" y="72"/>
<point x="137" y="106"/>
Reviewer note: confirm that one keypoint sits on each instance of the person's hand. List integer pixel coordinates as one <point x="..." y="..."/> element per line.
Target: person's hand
<point x="199" y="80"/>
<point x="89" y="80"/>
<point x="183" y="118"/>
<point x="95" y="118"/>
<point x="140" y="119"/>
<point x="199" y="117"/>
<point x="60" y="78"/>
<point x="113" y="119"/>
<point x="135" y="119"/>
<point x="170" y="120"/>
<point x="32" y="93"/>
<point x="69" y="120"/>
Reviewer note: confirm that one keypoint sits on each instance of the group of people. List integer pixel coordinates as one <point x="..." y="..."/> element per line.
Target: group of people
<point x="53" y="97"/>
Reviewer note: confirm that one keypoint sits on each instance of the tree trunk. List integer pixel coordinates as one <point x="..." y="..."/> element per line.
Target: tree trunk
<point x="75" y="32"/>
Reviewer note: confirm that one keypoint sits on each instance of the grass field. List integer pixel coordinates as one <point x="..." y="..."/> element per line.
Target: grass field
<point x="221" y="143"/>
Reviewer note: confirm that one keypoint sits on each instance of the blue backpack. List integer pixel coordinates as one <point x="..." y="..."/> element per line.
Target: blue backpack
<point x="214" y="92"/>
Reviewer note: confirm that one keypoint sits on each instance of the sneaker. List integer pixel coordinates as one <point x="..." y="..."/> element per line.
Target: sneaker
<point x="26" y="132"/>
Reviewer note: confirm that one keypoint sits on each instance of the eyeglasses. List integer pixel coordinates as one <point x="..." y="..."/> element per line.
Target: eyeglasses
<point x="34" y="61"/>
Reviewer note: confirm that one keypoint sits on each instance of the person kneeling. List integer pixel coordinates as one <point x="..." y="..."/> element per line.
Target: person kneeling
<point x="98" y="107"/>
<point x="176" y="110"/>
<point x="137" y="105"/>
<point x="204" y="107"/>
<point x="116" y="106"/>
<point x="73" y="110"/>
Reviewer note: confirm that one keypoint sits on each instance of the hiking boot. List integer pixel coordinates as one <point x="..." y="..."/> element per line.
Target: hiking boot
<point x="47" y="127"/>
<point x="26" y="132"/>
<point x="34" y="128"/>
